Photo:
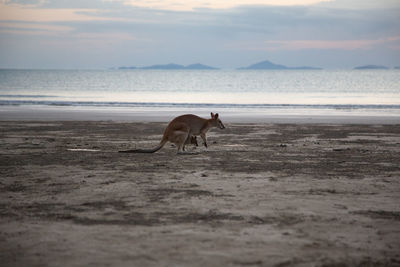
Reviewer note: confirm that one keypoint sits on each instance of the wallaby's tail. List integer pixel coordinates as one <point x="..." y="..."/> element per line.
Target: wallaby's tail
<point x="151" y="150"/>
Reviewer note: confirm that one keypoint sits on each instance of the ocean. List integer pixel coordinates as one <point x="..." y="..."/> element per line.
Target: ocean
<point x="280" y="92"/>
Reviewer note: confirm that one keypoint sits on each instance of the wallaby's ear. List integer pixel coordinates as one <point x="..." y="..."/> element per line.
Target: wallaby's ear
<point x="212" y="115"/>
<point x="216" y="116"/>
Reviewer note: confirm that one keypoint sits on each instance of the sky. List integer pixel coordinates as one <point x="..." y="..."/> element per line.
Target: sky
<point x="98" y="34"/>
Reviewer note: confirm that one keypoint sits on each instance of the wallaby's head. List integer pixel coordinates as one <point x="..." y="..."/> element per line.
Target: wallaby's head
<point x="216" y="122"/>
<point x="193" y="140"/>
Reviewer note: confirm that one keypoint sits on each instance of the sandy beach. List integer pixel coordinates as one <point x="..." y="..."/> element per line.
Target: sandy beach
<point x="262" y="194"/>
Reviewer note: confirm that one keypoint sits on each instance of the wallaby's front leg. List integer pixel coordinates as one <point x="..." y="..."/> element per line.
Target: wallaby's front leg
<point x="203" y="136"/>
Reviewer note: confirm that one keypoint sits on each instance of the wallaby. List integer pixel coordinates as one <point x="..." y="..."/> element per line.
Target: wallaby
<point x="180" y="129"/>
<point x="192" y="140"/>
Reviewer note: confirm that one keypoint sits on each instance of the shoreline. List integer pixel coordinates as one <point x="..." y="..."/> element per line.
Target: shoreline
<point x="125" y="114"/>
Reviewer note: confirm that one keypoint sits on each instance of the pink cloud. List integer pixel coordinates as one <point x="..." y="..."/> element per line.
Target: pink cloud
<point x="189" y="5"/>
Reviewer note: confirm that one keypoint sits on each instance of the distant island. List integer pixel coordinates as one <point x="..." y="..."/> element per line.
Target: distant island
<point x="199" y="66"/>
<point x="371" y="67"/>
<point x="268" y="65"/>
<point x="263" y="65"/>
<point x="172" y="66"/>
<point x="127" y="68"/>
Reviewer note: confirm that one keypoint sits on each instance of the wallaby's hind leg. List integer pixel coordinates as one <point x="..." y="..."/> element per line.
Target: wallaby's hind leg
<point x="179" y="138"/>
<point x="178" y="135"/>
<point x="181" y="142"/>
<point x="187" y="141"/>
<point x="192" y="140"/>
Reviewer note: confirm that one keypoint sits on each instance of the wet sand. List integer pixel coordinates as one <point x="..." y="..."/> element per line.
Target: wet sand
<point x="159" y="114"/>
<point x="260" y="195"/>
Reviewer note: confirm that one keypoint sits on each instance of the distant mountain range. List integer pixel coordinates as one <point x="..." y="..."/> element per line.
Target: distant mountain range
<point x="172" y="66"/>
<point x="268" y="65"/>
<point x="263" y="65"/>
<point x="371" y="67"/>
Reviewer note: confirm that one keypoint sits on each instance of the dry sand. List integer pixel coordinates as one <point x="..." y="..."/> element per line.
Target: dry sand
<point x="260" y="195"/>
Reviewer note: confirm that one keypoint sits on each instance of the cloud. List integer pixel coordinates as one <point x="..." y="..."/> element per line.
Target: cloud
<point x="189" y="5"/>
<point x="361" y="4"/>
<point x="157" y="31"/>
<point x="39" y="12"/>
<point x="32" y="14"/>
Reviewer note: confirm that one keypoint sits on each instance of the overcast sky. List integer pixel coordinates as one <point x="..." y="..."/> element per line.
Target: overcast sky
<point x="221" y="33"/>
